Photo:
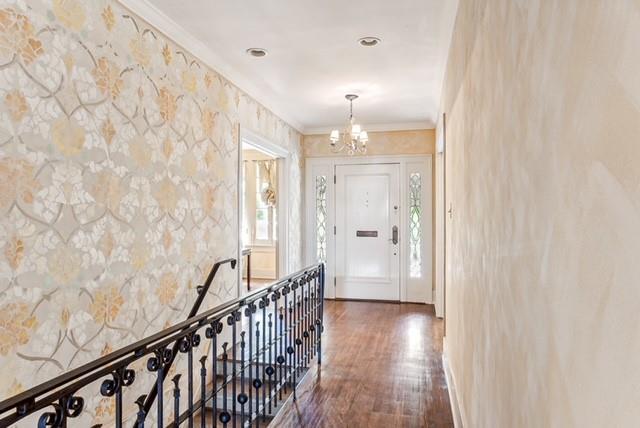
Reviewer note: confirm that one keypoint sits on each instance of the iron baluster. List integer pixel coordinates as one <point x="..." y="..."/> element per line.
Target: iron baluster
<point x="285" y="355"/>
<point x="225" y="417"/>
<point x="299" y="328"/>
<point x="270" y="370"/>
<point x="314" y="298"/>
<point x="231" y="320"/>
<point x="203" y="389"/>
<point x="293" y="337"/>
<point x="298" y="341"/>
<point x="280" y="359"/>
<point x="256" y="381"/>
<point x="275" y="297"/>
<point x="157" y="364"/>
<point x="212" y="333"/>
<point x="319" y="326"/>
<point x="305" y="321"/>
<point x="214" y="377"/>
<point x="190" y="378"/>
<point x="142" y="414"/>
<point x="309" y="323"/>
<point x="113" y="388"/>
<point x="176" y="399"/>
<point x="249" y="313"/>
<point x="118" y="399"/>
<point x="160" y="399"/>
<point x="242" y="397"/>
<point x="290" y="351"/>
<point x="264" y="302"/>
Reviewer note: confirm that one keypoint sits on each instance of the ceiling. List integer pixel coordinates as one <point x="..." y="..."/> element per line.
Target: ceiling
<point x="314" y="58"/>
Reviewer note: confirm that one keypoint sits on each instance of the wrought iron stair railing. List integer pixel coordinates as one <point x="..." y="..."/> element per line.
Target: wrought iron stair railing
<point x="273" y="335"/>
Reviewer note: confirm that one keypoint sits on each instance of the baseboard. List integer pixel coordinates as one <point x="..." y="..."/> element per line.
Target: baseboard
<point x="341" y="299"/>
<point x="451" y="386"/>
<point x="262" y="274"/>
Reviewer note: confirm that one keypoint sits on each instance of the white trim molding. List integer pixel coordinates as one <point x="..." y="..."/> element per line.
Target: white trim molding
<point x="261" y="143"/>
<point x="283" y="158"/>
<point x="458" y="421"/>
<point x="375" y="127"/>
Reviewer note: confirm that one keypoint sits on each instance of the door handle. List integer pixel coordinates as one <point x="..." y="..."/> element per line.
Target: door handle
<point x="394" y="235"/>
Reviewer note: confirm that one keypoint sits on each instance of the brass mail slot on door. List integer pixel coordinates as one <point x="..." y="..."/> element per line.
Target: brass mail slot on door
<point x="367" y="233"/>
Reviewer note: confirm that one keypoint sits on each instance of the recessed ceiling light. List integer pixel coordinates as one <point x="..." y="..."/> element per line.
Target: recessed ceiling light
<point x="257" y="52"/>
<point x="369" y="41"/>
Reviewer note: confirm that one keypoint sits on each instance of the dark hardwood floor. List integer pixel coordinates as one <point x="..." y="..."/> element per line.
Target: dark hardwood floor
<point x="381" y="367"/>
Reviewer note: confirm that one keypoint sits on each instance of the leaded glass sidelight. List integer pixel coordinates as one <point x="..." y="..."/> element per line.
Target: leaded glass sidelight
<point x="415" y="227"/>
<point x="321" y="218"/>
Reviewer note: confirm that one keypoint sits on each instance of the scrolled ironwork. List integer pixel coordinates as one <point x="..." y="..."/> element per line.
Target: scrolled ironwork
<point x="52" y="419"/>
<point x="184" y="345"/>
<point x="109" y="387"/>
<point x="214" y="329"/>
<point x="72" y="406"/>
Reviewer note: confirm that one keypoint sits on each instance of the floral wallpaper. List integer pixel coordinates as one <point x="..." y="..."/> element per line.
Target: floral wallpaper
<point x="118" y="183"/>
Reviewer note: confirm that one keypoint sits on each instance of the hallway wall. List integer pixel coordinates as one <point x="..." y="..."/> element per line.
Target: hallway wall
<point x="543" y="118"/>
<point x="118" y="185"/>
<point x="413" y="142"/>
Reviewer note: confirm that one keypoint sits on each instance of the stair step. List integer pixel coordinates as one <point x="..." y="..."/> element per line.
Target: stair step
<point x="265" y="388"/>
<point x="239" y="364"/>
<point x="275" y="350"/>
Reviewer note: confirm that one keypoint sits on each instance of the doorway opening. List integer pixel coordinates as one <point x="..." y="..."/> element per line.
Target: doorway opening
<point x="259" y="220"/>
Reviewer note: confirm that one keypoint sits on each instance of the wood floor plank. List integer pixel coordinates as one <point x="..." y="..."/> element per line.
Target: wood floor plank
<point x="382" y="367"/>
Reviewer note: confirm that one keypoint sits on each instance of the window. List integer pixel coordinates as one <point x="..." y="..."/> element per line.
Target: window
<point x="415" y="226"/>
<point x="321" y="218"/>
<point x="259" y="194"/>
<point x="264" y="212"/>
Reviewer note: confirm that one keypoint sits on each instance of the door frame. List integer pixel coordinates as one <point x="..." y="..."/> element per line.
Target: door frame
<point x="326" y="166"/>
<point x="440" y="218"/>
<point x="283" y="158"/>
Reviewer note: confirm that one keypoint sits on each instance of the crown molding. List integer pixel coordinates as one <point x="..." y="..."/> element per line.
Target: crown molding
<point x="179" y="35"/>
<point x="376" y="127"/>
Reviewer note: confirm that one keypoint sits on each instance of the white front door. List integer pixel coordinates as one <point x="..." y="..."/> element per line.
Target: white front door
<point x="367" y="231"/>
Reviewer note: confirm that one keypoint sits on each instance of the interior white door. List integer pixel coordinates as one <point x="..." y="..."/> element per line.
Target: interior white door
<point x="367" y="231"/>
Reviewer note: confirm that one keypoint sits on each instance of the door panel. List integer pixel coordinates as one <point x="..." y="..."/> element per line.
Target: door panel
<point x="367" y="209"/>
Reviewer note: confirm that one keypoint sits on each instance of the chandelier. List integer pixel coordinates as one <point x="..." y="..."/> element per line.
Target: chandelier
<point x="353" y="138"/>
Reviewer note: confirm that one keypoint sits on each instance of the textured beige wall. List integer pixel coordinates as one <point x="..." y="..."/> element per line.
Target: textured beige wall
<point x="421" y="141"/>
<point x="543" y="105"/>
<point x="118" y="184"/>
